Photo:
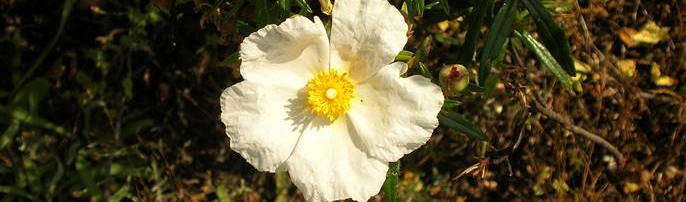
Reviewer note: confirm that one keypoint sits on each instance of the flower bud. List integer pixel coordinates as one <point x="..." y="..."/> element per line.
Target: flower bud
<point x="453" y="79"/>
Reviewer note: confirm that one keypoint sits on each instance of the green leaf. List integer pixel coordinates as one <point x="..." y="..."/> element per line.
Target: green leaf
<point x="16" y="191"/>
<point x="424" y="71"/>
<point x="431" y="5"/>
<point x="446" y="6"/>
<point x="304" y="5"/>
<point x="500" y="30"/>
<point x="548" y="60"/>
<point x="262" y="13"/>
<point x="223" y="194"/>
<point x="415" y="8"/>
<point x="120" y="194"/>
<point x="552" y="35"/>
<point x="285" y="5"/>
<point x="404" y="56"/>
<point x="31" y="119"/>
<point x="475" y="88"/>
<point x="390" y="186"/>
<point x="476" y="19"/>
<point x="492" y="82"/>
<point x="234" y="57"/>
<point x="449" y="104"/>
<point x="135" y="127"/>
<point x="9" y="134"/>
<point x="235" y="6"/>
<point x="461" y="124"/>
<point x="38" y="89"/>
<point x="127" y="85"/>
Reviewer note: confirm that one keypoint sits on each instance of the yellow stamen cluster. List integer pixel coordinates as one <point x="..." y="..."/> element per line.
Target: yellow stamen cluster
<point x="329" y="94"/>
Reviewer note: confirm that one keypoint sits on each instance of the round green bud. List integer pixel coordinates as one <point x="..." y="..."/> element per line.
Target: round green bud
<point x="453" y="79"/>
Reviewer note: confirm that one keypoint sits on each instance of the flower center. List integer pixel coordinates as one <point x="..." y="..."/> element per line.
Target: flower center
<point x="329" y="94"/>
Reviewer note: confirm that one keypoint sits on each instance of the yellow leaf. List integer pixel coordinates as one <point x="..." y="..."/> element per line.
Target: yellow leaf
<point x="650" y="33"/>
<point x="581" y="66"/>
<point x="631" y="187"/>
<point x="665" y="81"/>
<point x="444" y="25"/>
<point x="655" y="70"/>
<point x="625" y="35"/>
<point x="628" y="67"/>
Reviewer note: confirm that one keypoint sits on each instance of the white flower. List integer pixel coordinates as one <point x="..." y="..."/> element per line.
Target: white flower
<point x="331" y="111"/>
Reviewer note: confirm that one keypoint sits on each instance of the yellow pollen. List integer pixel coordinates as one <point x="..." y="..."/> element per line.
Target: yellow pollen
<point x="329" y="94"/>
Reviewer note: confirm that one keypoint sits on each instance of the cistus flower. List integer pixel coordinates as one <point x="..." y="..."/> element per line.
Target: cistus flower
<point x="332" y="111"/>
<point x="454" y="79"/>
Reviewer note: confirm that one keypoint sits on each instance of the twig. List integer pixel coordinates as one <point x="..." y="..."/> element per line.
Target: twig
<point x="538" y="103"/>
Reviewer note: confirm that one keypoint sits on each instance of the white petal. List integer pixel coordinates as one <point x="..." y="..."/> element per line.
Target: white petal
<point x="365" y="36"/>
<point x="285" y="55"/>
<point x="393" y="115"/>
<point x="260" y="121"/>
<point x="327" y="165"/>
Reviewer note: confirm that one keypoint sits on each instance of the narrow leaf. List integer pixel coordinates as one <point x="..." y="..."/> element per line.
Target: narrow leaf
<point x="304" y="5"/>
<point x="404" y="56"/>
<point x="31" y="119"/>
<point x="234" y="57"/>
<point x="548" y="60"/>
<point x="475" y="88"/>
<point x="445" y="6"/>
<point x="223" y="194"/>
<point x="551" y="34"/>
<point x="500" y="30"/>
<point x="476" y="19"/>
<point x="449" y="104"/>
<point x="285" y="4"/>
<point x="390" y="186"/>
<point x="16" y="191"/>
<point x="262" y="14"/>
<point x="461" y="124"/>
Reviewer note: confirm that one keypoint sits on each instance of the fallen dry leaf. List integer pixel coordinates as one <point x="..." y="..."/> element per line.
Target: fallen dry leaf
<point x="651" y="33"/>
<point x="628" y="67"/>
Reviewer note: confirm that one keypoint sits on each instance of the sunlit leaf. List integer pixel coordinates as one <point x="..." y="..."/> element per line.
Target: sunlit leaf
<point x="651" y="33"/>
<point x="404" y="56"/>
<point x="551" y="34"/>
<point x="31" y="119"/>
<point x="546" y="58"/>
<point x="222" y="193"/>
<point x="627" y="67"/>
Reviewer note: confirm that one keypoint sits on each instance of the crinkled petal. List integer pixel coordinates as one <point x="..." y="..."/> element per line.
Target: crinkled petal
<point x="365" y="36"/>
<point x="328" y="165"/>
<point x="394" y="116"/>
<point x="260" y="122"/>
<point x="286" y="55"/>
